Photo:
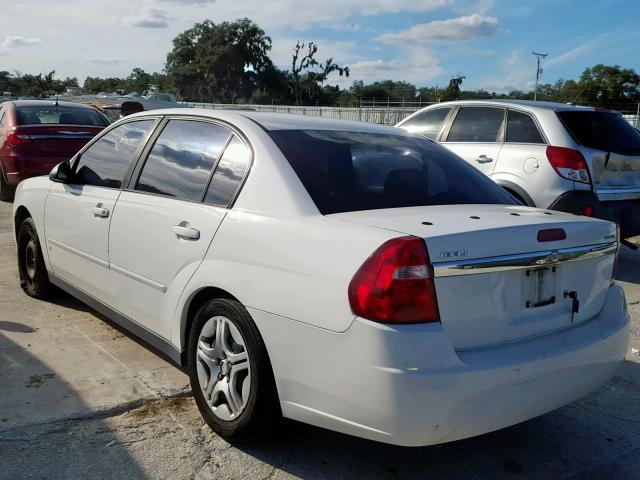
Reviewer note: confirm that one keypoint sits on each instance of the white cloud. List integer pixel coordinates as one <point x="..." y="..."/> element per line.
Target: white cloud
<point x="461" y="28"/>
<point x="420" y="66"/>
<point x="480" y="7"/>
<point x="294" y="14"/>
<point x="150" y="18"/>
<point x="19" y="41"/>
<point x="516" y="72"/>
<point x="569" y="55"/>
<point x="189" y="2"/>
<point x="106" y="61"/>
<point x="377" y="7"/>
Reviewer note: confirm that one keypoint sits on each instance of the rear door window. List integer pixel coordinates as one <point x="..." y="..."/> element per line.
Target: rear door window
<point x="229" y="173"/>
<point x="52" y="115"/>
<point x="521" y="128"/>
<point x="182" y="158"/>
<point x="107" y="161"/>
<point x="605" y="131"/>
<point x="476" y="124"/>
<point x="352" y="171"/>
<point x="428" y="123"/>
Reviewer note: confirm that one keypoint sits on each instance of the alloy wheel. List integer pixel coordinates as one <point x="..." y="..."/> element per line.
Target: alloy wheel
<point x="223" y="367"/>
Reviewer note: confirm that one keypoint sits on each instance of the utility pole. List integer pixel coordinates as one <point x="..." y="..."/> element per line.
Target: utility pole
<point x="539" y="57"/>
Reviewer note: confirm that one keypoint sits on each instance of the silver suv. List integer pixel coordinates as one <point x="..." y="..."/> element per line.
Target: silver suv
<point x="575" y="159"/>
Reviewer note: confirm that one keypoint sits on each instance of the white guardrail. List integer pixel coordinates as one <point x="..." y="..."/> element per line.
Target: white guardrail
<point x="383" y="115"/>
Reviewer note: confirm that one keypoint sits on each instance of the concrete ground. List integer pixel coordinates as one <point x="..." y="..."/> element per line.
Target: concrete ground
<point x="80" y="399"/>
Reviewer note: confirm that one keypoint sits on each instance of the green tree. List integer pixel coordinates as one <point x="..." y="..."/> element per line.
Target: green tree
<point x="272" y="86"/>
<point x="218" y="61"/>
<point x="307" y="74"/>
<point x="452" y="92"/>
<point x="384" y="90"/>
<point x="609" y="85"/>
<point x="6" y="82"/>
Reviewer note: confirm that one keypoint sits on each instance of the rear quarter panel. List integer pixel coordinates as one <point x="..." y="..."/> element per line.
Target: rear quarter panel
<point x="294" y="267"/>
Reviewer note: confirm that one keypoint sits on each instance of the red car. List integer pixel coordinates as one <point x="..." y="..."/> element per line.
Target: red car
<point x="36" y="135"/>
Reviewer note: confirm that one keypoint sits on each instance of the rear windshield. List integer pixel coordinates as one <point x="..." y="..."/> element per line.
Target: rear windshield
<point x="34" y="115"/>
<point x="606" y="131"/>
<point x="353" y="171"/>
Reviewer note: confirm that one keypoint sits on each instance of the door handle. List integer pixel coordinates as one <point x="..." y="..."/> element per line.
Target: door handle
<point x="484" y="159"/>
<point x="189" y="233"/>
<point x="99" y="211"/>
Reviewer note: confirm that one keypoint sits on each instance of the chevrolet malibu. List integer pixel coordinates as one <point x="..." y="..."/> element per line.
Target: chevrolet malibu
<point x="355" y="277"/>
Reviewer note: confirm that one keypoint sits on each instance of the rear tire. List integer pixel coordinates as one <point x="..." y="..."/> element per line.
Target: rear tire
<point x="230" y="373"/>
<point x="34" y="278"/>
<point x="7" y="192"/>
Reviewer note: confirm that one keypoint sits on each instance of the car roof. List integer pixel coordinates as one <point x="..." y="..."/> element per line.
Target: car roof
<point x="49" y="103"/>
<point x="526" y="104"/>
<point x="276" y="120"/>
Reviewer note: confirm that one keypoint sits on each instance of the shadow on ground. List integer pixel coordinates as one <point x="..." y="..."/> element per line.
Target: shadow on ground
<point x="61" y="450"/>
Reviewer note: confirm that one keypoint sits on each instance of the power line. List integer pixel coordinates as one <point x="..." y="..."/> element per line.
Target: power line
<point x="539" y="57"/>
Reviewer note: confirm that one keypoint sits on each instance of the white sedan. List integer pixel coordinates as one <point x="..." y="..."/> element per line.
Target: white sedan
<point x="351" y="276"/>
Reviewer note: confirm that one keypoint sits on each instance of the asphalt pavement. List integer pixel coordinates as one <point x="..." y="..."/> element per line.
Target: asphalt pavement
<point x="81" y="399"/>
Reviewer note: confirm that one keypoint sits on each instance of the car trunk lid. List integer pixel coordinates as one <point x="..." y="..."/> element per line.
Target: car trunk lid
<point x="51" y="143"/>
<point x="496" y="282"/>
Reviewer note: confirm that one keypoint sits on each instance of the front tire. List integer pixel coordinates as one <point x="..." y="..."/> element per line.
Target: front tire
<point x="34" y="278"/>
<point x="230" y="373"/>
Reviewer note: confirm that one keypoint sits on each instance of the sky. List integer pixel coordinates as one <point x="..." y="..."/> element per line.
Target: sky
<point x="425" y="42"/>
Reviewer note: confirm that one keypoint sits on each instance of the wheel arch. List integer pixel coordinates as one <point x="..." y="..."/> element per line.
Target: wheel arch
<point x="191" y="307"/>
<point x="22" y="213"/>
<point x="517" y="191"/>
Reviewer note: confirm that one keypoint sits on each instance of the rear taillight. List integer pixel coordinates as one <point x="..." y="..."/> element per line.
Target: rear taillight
<point x="568" y="163"/>
<point x="395" y="284"/>
<point x="16" y="138"/>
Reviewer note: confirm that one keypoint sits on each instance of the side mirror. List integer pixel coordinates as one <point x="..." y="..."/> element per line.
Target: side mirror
<point x="61" y="173"/>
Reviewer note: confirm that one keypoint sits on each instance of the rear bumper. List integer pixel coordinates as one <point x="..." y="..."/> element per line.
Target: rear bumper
<point x="626" y="213"/>
<point x="406" y="385"/>
<point x="16" y="169"/>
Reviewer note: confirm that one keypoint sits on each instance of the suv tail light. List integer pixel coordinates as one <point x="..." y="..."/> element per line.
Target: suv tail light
<point x="16" y="138"/>
<point x="395" y="284"/>
<point x="568" y="163"/>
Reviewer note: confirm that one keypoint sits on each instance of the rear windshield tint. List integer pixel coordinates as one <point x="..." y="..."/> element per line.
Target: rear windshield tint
<point x="606" y="131"/>
<point x="52" y="115"/>
<point x="353" y="171"/>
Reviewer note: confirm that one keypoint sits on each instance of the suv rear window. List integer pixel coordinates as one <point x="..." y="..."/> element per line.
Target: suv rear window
<point x="606" y="131"/>
<point x="353" y="171"/>
<point x="34" y="115"/>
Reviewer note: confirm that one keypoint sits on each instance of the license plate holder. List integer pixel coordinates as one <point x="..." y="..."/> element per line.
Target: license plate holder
<point x="539" y="287"/>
